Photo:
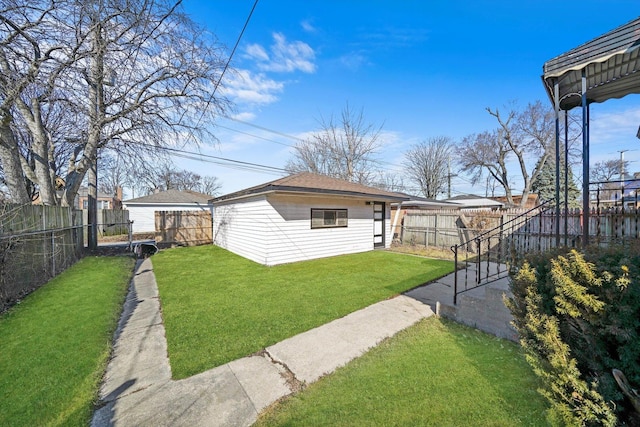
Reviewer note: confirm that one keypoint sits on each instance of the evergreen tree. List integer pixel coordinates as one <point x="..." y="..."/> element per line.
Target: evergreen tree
<point x="545" y="184"/>
<point x="577" y="317"/>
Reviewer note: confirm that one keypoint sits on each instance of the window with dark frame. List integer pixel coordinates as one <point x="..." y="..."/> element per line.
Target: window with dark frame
<point x="329" y="218"/>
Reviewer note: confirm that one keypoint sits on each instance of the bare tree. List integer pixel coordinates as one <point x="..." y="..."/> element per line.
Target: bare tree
<point x="488" y="152"/>
<point x="343" y="148"/>
<point x="167" y="177"/>
<point x="210" y="185"/>
<point x="608" y="170"/>
<point x="131" y="73"/>
<point x="390" y="181"/>
<point x="426" y="165"/>
<point x="526" y="137"/>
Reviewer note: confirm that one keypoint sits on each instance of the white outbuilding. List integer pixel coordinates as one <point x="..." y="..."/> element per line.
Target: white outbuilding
<point x="301" y="217"/>
<point x="142" y="209"/>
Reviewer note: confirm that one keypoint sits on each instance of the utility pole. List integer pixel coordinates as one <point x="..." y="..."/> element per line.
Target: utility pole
<point x="622" y="164"/>
<point x="449" y="176"/>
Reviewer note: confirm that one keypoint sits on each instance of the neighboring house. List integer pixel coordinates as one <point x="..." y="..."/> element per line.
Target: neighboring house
<point x="303" y="216"/>
<point x="631" y="197"/>
<point x="142" y="209"/>
<point x="617" y="194"/>
<point x="415" y="203"/>
<point x="470" y="201"/>
<point x="104" y="201"/>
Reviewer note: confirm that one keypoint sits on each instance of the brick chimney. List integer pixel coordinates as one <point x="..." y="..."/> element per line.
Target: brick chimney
<point x="117" y="198"/>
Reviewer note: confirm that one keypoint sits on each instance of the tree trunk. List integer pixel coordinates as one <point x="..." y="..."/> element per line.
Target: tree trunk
<point x="41" y="150"/>
<point x="11" y="166"/>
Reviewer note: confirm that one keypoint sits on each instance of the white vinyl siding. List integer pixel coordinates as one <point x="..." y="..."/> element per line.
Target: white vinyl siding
<point x="292" y="239"/>
<point x="240" y="227"/>
<point x="275" y="229"/>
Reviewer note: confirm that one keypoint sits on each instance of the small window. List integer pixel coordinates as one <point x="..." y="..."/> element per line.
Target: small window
<point x="328" y="218"/>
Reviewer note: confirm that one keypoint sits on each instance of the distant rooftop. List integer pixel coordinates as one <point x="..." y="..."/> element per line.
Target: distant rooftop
<point x="472" y="201"/>
<point x="172" y="196"/>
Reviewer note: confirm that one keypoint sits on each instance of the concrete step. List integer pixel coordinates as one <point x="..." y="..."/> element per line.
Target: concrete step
<point x="483" y="308"/>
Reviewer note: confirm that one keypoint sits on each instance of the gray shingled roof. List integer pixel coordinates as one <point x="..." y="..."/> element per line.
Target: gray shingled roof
<point x="172" y="196"/>
<point x="307" y="182"/>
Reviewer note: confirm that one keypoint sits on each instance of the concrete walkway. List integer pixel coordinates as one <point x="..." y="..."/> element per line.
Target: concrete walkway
<point x="138" y="389"/>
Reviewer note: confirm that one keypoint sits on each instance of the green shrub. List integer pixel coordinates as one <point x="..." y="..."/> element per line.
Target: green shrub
<point x="578" y="316"/>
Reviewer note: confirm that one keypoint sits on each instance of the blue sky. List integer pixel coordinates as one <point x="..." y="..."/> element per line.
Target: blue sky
<point x="420" y="69"/>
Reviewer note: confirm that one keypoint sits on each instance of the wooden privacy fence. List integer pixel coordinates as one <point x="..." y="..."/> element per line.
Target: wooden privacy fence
<point x="183" y="228"/>
<point x="447" y="228"/>
<point x="36" y="243"/>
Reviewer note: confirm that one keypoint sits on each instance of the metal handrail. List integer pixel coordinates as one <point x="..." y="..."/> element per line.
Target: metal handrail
<point x="495" y="232"/>
<point x="546" y="202"/>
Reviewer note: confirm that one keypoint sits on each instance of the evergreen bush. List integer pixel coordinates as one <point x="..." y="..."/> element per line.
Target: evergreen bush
<point x="578" y="316"/>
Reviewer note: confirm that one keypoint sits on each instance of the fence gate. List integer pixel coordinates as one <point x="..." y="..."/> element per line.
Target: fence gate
<point x="183" y="228"/>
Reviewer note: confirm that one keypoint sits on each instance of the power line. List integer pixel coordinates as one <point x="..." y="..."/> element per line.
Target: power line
<point x="255" y="136"/>
<point x="295" y="138"/>
<point x="223" y="161"/>
<point x="226" y="65"/>
<point x="233" y="51"/>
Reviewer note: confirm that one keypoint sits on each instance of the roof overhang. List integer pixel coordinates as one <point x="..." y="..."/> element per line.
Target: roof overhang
<point x="610" y="63"/>
<point x="186" y="204"/>
<point x="298" y="191"/>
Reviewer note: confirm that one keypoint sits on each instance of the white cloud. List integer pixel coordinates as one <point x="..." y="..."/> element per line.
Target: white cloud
<point x="245" y="116"/>
<point x="247" y="87"/>
<point x="614" y="127"/>
<point x="283" y="56"/>
<point x="354" y="61"/>
<point x="308" y="26"/>
<point x="257" y="52"/>
<point x="390" y="38"/>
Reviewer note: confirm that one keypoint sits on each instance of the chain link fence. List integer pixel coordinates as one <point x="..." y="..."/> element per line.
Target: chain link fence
<point x="36" y="244"/>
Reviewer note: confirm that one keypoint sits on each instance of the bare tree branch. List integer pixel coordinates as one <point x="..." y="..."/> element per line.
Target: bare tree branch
<point x="526" y="136"/>
<point x="426" y="165"/>
<point x="344" y="149"/>
<point x="147" y="68"/>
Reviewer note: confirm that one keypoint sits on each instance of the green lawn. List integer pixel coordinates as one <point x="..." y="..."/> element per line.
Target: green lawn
<point x="218" y="307"/>
<point x="436" y="373"/>
<point x="55" y="344"/>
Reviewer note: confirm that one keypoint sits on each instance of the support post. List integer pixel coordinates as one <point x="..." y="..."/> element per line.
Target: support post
<point x="556" y="96"/>
<point x="455" y="272"/>
<point x="585" y="161"/>
<point x="130" y="231"/>
<point x="566" y="178"/>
